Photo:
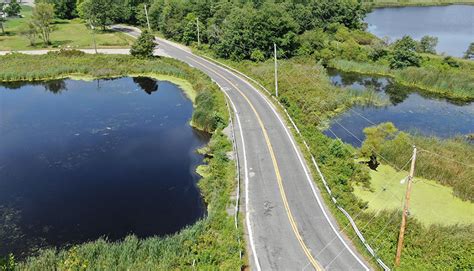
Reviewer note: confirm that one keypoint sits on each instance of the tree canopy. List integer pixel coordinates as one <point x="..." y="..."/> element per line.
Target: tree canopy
<point x="100" y="12"/>
<point x="240" y="29"/>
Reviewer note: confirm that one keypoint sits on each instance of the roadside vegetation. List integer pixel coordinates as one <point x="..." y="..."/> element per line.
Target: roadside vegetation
<point x="212" y="242"/>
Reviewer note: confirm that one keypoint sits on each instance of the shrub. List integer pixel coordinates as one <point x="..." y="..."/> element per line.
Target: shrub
<point x="404" y="54"/>
<point x="257" y="55"/>
<point x="144" y="45"/>
<point x="428" y="44"/>
<point x="13" y="8"/>
<point x="450" y="61"/>
<point x="67" y="53"/>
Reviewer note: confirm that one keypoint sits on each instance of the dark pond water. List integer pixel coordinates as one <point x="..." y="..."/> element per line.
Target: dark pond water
<point x="409" y="109"/>
<point x="80" y="160"/>
<point x="453" y="25"/>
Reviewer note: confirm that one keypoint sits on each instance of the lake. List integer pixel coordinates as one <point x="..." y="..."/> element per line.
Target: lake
<point x="80" y="160"/>
<point x="453" y="25"/>
<point x="410" y="109"/>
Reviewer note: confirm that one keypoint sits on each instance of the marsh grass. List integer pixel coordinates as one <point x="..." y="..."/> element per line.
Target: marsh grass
<point x="455" y="83"/>
<point x="443" y="160"/>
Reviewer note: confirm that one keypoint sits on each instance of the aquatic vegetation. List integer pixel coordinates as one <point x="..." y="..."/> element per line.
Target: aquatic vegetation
<point x="457" y="83"/>
<point x="449" y="169"/>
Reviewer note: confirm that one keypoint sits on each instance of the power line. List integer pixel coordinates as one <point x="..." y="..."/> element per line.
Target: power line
<point x="421" y="149"/>
<point x="362" y="211"/>
<point x="446" y="158"/>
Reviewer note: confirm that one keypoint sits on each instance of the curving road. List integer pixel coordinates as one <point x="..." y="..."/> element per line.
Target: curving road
<point x="288" y="227"/>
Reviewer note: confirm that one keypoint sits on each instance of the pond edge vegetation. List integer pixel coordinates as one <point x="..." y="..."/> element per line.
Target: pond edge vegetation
<point x="212" y="242"/>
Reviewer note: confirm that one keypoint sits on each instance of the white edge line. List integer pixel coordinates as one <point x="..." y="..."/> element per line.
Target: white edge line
<point x="301" y="162"/>
<point x="247" y="212"/>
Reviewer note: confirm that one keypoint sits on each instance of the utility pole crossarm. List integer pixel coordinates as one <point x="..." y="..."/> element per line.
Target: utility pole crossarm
<point x="401" y="235"/>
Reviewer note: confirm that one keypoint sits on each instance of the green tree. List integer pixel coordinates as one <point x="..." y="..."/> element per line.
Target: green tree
<point x="13" y="8"/>
<point x="312" y="41"/>
<point x="376" y="136"/>
<point x="404" y="54"/>
<point x="42" y="19"/>
<point x="63" y="9"/>
<point x="469" y="54"/>
<point x="144" y="45"/>
<point x="100" y="12"/>
<point x="347" y="12"/>
<point x="30" y="32"/>
<point x="428" y="44"/>
<point x="247" y="29"/>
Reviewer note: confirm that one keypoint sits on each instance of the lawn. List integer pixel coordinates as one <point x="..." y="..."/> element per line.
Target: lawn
<point x="431" y="202"/>
<point x="67" y="33"/>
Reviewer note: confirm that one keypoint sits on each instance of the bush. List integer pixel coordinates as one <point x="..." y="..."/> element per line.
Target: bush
<point x="257" y="55"/>
<point x="144" y="45"/>
<point x="450" y="61"/>
<point x="67" y="53"/>
<point x="428" y="44"/>
<point x="13" y="8"/>
<point x="404" y="54"/>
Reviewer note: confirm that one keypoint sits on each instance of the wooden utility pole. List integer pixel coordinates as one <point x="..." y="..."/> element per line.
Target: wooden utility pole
<point x="93" y="36"/>
<point x="405" y="209"/>
<point x="199" y="38"/>
<point x="147" y="19"/>
<point x="276" y="69"/>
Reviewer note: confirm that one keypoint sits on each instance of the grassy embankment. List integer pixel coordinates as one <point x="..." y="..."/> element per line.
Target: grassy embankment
<point x="62" y="35"/>
<point x="310" y="99"/>
<point x="433" y="76"/>
<point x="211" y="243"/>
<point x="404" y="3"/>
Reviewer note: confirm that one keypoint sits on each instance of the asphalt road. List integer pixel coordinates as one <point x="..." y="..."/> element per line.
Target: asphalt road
<point x="288" y="227"/>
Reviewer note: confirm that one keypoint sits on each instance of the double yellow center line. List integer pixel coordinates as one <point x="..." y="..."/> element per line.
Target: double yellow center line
<point x="312" y="260"/>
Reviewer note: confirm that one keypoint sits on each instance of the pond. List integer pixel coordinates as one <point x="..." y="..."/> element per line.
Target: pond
<point x="410" y="109"/>
<point x="453" y="25"/>
<point x="81" y="160"/>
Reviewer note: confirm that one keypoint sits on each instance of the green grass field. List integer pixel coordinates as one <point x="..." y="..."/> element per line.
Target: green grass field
<point x="431" y="203"/>
<point x="67" y="33"/>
